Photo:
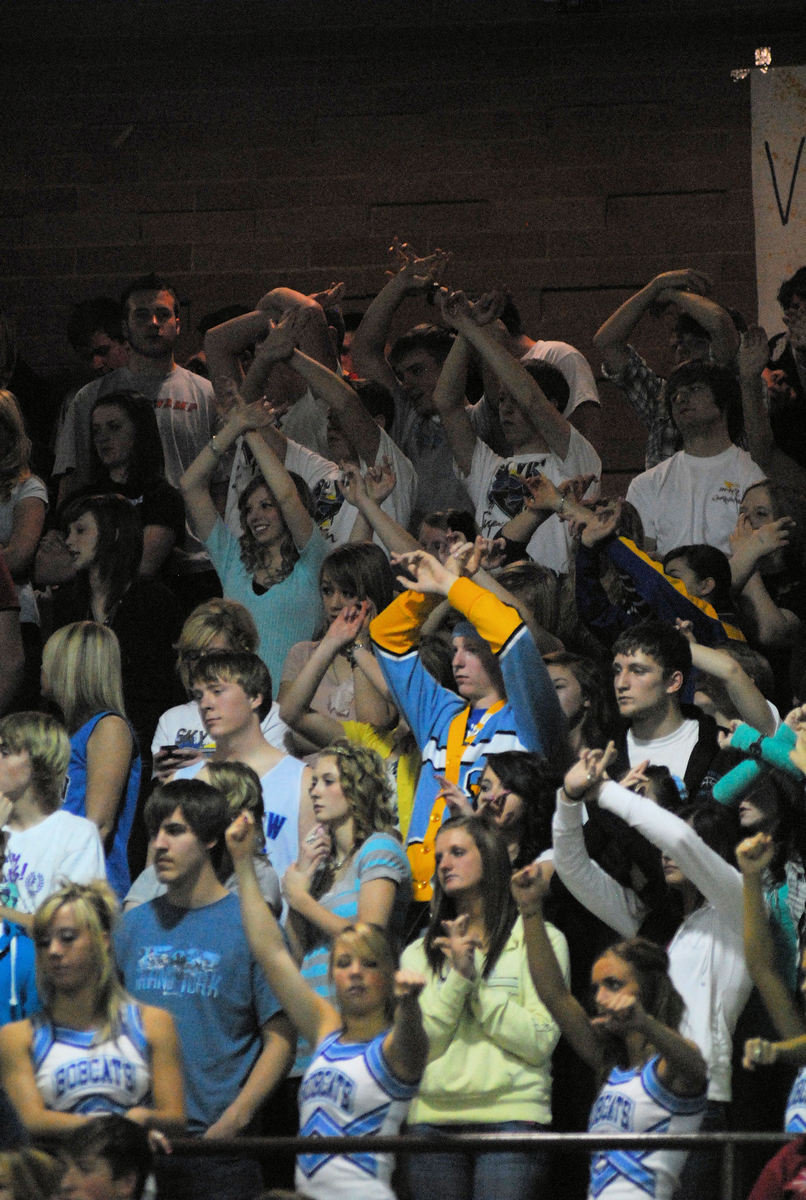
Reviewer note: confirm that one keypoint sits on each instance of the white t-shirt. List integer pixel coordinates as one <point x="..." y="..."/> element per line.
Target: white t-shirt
<point x="574" y="366"/>
<point x="334" y="516"/>
<point x="687" y="500"/>
<point x="494" y="484"/>
<point x="62" y="848"/>
<point x="672" y="751"/>
<point x="306" y="422"/>
<point x="182" y="726"/>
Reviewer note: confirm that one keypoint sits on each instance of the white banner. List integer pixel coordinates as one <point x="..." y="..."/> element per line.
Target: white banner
<point x="779" y="183"/>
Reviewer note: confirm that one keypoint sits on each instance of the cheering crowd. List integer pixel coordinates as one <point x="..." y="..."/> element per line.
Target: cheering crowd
<point x="354" y="749"/>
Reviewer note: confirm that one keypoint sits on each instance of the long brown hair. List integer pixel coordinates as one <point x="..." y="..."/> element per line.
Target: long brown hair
<point x="649" y="963"/>
<point x="498" y="907"/>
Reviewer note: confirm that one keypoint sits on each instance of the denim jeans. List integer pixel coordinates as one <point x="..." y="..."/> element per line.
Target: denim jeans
<point x="491" y="1175"/>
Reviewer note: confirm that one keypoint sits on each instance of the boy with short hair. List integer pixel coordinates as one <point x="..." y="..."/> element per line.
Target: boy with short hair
<point x="45" y="845"/>
<point x="106" y="1159"/>
<point x="650" y="664"/>
<point x="233" y="690"/>
<point x="187" y="952"/>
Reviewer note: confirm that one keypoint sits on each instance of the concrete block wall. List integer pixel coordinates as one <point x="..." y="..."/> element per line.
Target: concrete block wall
<point x="567" y="150"/>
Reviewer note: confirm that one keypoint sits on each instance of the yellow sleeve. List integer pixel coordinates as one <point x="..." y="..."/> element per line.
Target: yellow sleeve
<point x="495" y="621"/>
<point x="397" y="628"/>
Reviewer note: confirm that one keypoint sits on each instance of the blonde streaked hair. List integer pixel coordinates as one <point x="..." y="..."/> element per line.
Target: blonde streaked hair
<point x="82" y="665"/>
<point x="15" y="445"/>
<point x="373" y="941"/>
<point x="216" y="617"/>
<point x="241" y="788"/>
<point x="96" y="909"/>
<point x="45" y="741"/>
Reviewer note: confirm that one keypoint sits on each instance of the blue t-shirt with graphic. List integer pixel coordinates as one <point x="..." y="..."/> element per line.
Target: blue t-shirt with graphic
<point x="196" y="963"/>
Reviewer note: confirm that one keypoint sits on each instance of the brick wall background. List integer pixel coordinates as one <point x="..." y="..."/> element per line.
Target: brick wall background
<point x="568" y="150"/>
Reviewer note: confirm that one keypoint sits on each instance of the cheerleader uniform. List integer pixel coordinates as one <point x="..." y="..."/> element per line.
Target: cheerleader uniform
<point x="349" y="1089"/>
<point x="77" y="1073"/>
<point x="795" y="1118"/>
<point x="636" y="1101"/>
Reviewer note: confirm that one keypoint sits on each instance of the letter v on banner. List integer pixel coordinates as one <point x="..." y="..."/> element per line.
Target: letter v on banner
<point x="784" y="211"/>
<point x="778" y="107"/>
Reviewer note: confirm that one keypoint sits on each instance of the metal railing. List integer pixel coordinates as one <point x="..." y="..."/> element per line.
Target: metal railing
<point x="729" y="1145"/>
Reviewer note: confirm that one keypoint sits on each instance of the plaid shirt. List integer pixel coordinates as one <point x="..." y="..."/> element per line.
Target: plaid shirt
<point x="646" y="392"/>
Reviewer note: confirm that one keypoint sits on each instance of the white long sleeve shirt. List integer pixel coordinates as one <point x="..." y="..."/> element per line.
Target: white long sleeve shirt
<point x="706" y="954"/>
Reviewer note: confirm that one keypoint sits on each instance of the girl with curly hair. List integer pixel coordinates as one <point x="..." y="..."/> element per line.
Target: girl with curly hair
<point x="352" y="866"/>
<point x="273" y="568"/>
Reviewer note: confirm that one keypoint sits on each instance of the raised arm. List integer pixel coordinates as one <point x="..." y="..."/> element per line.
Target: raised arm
<point x="682" y="1067"/>
<point x="222" y="345"/>
<point x="611" y="339"/>
<point x="295" y="696"/>
<point x="718" y="881"/>
<point x="770" y="624"/>
<point x="315" y="340"/>
<point x="773" y="460"/>
<point x="336" y="392"/>
<point x="449" y="401"/>
<point x="195" y="483"/>
<point x="415" y="276"/>
<point x="360" y="492"/>
<point x="468" y="557"/>
<point x="748" y="700"/>
<point x="312" y="1014"/>
<point x="529" y="887"/>
<point x="514" y="378"/>
<point x="617" y="906"/>
<point x="715" y="319"/>
<point x="754" y="855"/>
<point x="406" y="1044"/>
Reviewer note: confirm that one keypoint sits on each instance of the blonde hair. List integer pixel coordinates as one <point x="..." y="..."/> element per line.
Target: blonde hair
<point x="96" y="909"/>
<point x="15" y="445"/>
<point x="239" y="784"/>
<point x="241" y="788"/>
<point x="82" y="665"/>
<point x="363" y="937"/>
<point x="365" y="784"/>
<point x="45" y="741"/>
<point x="216" y="617"/>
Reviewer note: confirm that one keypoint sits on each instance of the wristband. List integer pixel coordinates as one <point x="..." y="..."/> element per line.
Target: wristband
<point x="215" y="449"/>
<point x="561" y="506"/>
